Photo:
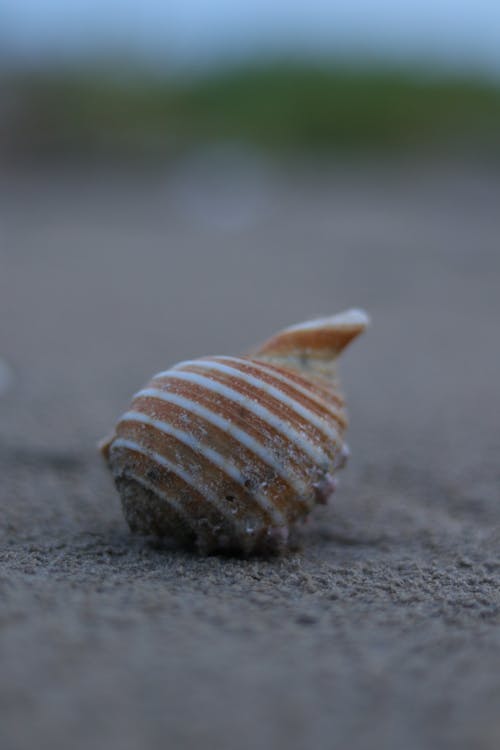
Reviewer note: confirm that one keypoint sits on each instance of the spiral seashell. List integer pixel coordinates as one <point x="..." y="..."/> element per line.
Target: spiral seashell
<point x="230" y="453"/>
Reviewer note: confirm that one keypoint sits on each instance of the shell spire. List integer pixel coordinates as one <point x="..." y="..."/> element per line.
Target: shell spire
<point x="314" y="344"/>
<point x="230" y="454"/>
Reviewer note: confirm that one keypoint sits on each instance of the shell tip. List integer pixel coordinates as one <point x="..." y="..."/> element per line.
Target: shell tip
<point x="321" y="339"/>
<point x="354" y="317"/>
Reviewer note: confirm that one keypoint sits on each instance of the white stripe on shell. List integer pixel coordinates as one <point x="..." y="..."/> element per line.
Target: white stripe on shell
<point x="178" y="471"/>
<point x="224" y="464"/>
<point x="336" y="412"/>
<point x="278" y="423"/>
<point x="236" y="433"/>
<point x="302" y="411"/>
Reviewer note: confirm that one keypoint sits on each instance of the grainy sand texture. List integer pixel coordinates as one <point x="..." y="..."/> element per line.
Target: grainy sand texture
<point x="383" y="631"/>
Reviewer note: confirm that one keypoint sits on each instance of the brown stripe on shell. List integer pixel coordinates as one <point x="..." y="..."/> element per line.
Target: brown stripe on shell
<point x="293" y="461"/>
<point x="327" y="391"/>
<point x="292" y="388"/>
<point x="279" y="409"/>
<point x="256" y="473"/>
<point x="238" y="500"/>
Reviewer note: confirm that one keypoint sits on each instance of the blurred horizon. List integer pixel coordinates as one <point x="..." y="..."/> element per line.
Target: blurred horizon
<point x="281" y="108"/>
<point x="108" y="79"/>
<point x="193" y="35"/>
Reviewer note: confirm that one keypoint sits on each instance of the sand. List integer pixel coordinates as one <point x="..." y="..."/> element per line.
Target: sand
<point x="383" y="630"/>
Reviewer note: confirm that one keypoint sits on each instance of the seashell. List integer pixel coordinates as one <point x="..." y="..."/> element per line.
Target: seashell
<point x="231" y="453"/>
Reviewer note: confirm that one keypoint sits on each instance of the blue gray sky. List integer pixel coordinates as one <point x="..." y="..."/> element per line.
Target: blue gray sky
<point x="463" y="34"/>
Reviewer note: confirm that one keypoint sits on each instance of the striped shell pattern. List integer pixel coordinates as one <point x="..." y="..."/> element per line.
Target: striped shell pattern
<point x="230" y="453"/>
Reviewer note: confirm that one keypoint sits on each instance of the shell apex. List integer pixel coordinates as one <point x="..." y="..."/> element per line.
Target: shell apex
<point x="321" y="339"/>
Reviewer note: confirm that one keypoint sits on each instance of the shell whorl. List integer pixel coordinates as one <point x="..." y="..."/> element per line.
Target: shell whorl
<point x="228" y="453"/>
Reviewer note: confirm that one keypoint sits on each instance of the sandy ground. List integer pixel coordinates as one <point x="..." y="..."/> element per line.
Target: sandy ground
<point x="384" y="630"/>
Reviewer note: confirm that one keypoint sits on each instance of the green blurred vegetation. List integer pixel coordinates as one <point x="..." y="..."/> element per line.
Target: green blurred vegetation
<point x="281" y="107"/>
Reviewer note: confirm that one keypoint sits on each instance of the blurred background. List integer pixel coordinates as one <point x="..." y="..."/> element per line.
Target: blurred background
<point x="155" y="80"/>
<point x="183" y="178"/>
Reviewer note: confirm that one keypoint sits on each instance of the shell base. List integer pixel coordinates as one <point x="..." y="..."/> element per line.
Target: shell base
<point x="148" y="515"/>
